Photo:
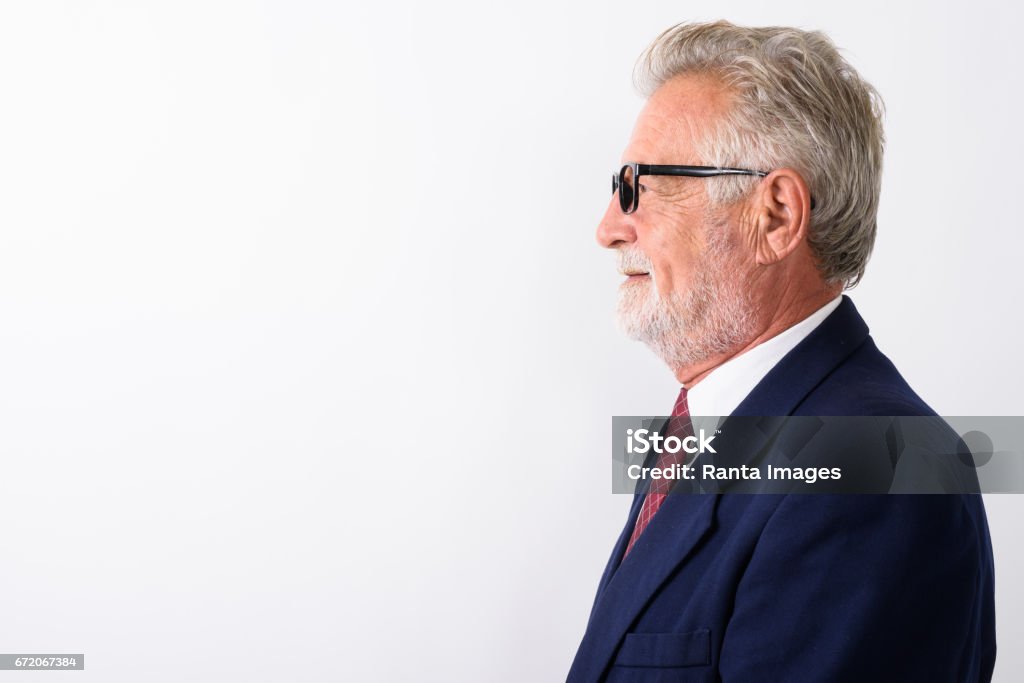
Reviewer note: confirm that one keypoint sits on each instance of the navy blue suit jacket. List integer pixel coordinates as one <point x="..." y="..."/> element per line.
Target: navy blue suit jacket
<point x="861" y="588"/>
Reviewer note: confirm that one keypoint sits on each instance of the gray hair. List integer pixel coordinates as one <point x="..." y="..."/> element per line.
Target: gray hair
<point x="797" y="104"/>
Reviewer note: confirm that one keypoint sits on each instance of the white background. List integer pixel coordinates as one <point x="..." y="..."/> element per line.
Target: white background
<point x="307" y="353"/>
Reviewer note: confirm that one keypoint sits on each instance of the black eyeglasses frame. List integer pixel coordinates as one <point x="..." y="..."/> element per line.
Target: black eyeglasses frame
<point x="630" y="201"/>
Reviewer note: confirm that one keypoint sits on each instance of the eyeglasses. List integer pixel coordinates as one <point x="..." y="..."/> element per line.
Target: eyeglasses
<point x="625" y="181"/>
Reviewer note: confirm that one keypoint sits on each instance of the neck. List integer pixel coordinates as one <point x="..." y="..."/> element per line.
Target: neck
<point x="777" y="319"/>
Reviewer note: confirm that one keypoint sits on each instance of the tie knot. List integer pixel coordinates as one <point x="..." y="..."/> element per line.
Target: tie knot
<point x="681" y="408"/>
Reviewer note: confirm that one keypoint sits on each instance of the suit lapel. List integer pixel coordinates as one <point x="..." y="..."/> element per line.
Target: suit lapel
<point x="627" y="531"/>
<point x="619" y="549"/>
<point x="681" y="522"/>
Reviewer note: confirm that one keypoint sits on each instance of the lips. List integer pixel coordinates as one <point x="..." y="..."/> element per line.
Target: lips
<point x="634" y="264"/>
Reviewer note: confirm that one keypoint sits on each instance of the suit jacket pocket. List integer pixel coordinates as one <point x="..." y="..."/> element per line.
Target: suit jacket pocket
<point x="666" y="649"/>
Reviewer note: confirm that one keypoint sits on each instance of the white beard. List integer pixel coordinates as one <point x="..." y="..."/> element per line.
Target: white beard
<point x="714" y="316"/>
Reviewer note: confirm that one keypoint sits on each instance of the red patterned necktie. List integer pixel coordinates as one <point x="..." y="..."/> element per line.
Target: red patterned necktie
<point x="678" y="425"/>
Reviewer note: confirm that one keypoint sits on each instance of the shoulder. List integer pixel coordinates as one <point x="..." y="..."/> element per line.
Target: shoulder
<point x="866" y="383"/>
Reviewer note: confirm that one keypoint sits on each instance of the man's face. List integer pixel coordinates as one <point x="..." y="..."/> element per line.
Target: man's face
<point x="686" y="292"/>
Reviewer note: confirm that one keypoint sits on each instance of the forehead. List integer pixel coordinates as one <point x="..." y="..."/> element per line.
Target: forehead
<point x="675" y="118"/>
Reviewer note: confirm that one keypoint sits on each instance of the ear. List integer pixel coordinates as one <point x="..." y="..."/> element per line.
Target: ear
<point x="782" y="211"/>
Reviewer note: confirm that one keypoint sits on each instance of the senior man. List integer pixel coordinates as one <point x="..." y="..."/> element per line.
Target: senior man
<point x="745" y="204"/>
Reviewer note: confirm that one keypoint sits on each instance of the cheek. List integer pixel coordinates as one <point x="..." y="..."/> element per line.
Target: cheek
<point x="672" y="240"/>
<point x="672" y="277"/>
<point x="674" y="263"/>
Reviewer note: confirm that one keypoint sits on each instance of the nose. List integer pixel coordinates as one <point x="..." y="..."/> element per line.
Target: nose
<point x="616" y="228"/>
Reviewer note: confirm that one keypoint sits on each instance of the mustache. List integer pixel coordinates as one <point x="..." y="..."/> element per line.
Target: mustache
<point x="633" y="260"/>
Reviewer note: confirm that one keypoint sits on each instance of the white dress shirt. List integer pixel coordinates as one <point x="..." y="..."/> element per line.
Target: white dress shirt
<point x="722" y="391"/>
